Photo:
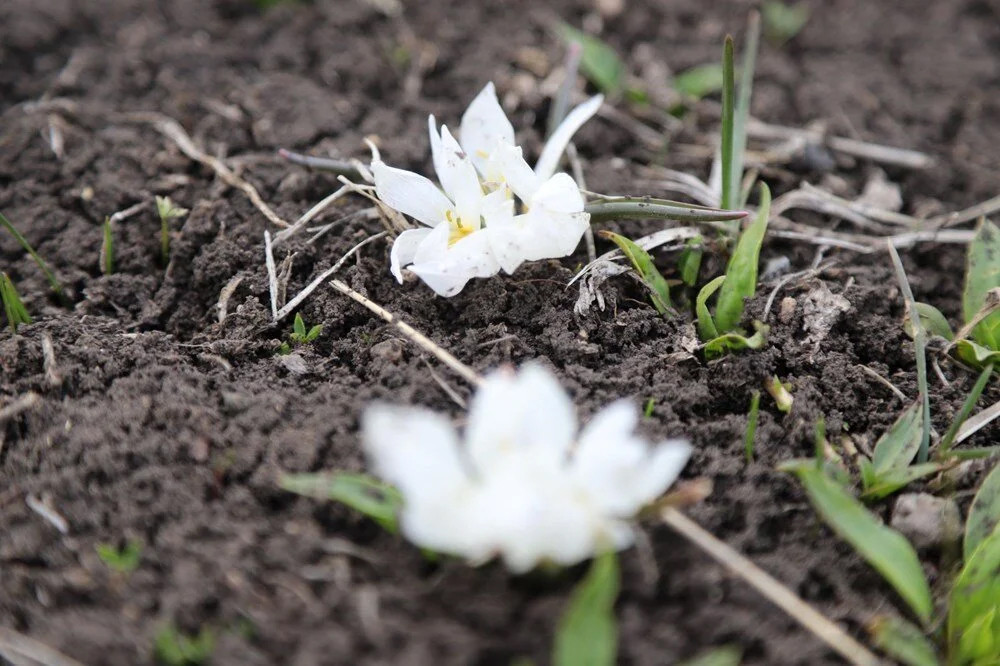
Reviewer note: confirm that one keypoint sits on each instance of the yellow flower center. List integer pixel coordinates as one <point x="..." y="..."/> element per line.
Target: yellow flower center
<point x="458" y="230"/>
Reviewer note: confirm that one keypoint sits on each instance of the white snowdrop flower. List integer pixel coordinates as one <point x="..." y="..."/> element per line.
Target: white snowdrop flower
<point x="474" y="227"/>
<point x="523" y="484"/>
<point x="552" y="220"/>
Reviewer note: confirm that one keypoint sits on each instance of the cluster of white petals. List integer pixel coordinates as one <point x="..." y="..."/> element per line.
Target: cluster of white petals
<point x="474" y="227"/>
<point x="524" y="484"/>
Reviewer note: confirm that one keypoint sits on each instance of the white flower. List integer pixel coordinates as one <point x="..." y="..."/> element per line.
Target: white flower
<point x="523" y="485"/>
<point x="473" y="230"/>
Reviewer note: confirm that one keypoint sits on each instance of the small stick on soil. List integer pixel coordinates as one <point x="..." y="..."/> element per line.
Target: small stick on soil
<point x="342" y="167"/>
<point x="774" y="591"/>
<point x="52" y="376"/>
<point x="312" y="286"/>
<point x="27" y="401"/>
<point x="50" y="515"/>
<point x="272" y="274"/>
<point x="988" y="207"/>
<point x="421" y="340"/>
<point x="20" y="649"/>
<point x="445" y="386"/>
<point x="885" y="382"/>
<point x="977" y="422"/>
<point x="127" y="213"/>
<point x="309" y="215"/>
<point x="224" y="296"/>
<point x="171" y="129"/>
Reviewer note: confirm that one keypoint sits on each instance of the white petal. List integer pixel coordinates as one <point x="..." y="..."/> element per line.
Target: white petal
<point x="505" y="236"/>
<point x="514" y="171"/>
<point x="529" y="412"/>
<point x="449" y="271"/>
<point x="550" y="235"/>
<point x="483" y="125"/>
<point x="416" y="450"/>
<point x="616" y="469"/>
<point x="437" y="155"/>
<point x="435" y="245"/>
<point x="558" y="194"/>
<point x="410" y="193"/>
<point x="548" y="161"/>
<point x="404" y="249"/>
<point x="462" y="179"/>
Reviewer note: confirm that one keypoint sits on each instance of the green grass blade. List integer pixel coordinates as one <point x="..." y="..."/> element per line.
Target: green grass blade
<point x="728" y="342"/>
<point x="752" y="417"/>
<point x="920" y="348"/>
<point x="371" y="497"/>
<point x="707" y="329"/>
<point x="903" y="641"/>
<point x="984" y="514"/>
<point x="642" y="262"/>
<point x="885" y="549"/>
<point x="973" y="617"/>
<point x="13" y="307"/>
<point x="647" y="208"/>
<point x="587" y="634"/>
<point x="887" y="483"/>
<point x="741" y="273"/>
<point x="944" y="448"/>
<point x="728" y="195"/>
<point x="689" y="262"/>
<point x="742" y="111"/>
<point x="108" y="249"/>
<point x="898" y="446"/>
<point x="49" y="275"/>
<point x="983" y="274"/>
<point x="598" y="61"/>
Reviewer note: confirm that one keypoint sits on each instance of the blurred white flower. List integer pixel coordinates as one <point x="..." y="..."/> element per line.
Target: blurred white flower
<point x="523" y="485"/>
<point x="474" y="229"/>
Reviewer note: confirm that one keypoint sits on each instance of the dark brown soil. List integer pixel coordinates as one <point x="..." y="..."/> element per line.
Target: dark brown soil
<point x="171" y="428"/>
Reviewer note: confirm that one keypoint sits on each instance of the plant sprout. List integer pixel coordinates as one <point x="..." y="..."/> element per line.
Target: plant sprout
<point x="300" y="335"/>
<point x="121" y="560"/>
<point x="13" y="307"/>
<point x="167" y="210"/>
<point x="173" y="648"/>
<point x="107" y="248"/>
<point x="23" y="242"/>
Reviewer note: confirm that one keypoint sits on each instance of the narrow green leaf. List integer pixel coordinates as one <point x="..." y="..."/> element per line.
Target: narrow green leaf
<point x="172" y="648"/>
<point x="984" y="513"/>
<point x="314" y="332"/>
<point x="741" y="273"/>
<point x="587" y="634"/>
<point x="944" y="448"/>
<point x="647" y="208"/>
<point x="903" y="641"/>
<point x="729" y="342"/>
<point x="888" y="482"/>
<point x="982" y="275"/>
<point x="699" y="80"/>
<point x="727" y="655"/>
<point x="706" y="325"/>
<point x="975" y="453"/>
<point x="689" y="262"/>
<point x="898" y="446"/>
<point x="728" y="194"/>
<point x="13" y="306"/>
<point x="934" y="322"/>
<point x="123" y="560"/>
<point x="783" y="21"/>
<point x="751" y="430"/>
<point x="659" y="290"/>
<point x="742" y="112"/>
<point x="299" y="327"/>
<point x="885" y="549"/>
<point x="599" y="62"/>
<point x="49" y="275"/>
<point x="371" y="497"/>
<point x="973" y="619"/>
<point x="108" y="249"/>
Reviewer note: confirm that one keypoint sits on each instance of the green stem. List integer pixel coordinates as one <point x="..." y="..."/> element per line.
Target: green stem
<point x="646" y="208"/>
<point x="728" y="85"/>
<point x="944" y="448"/>
<point x="49" y="275"/>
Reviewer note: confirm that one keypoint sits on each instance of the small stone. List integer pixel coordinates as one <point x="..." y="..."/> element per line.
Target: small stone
<point x="294" y="363"/>
<point x="787" y="309"/>
<point x="927" y="521"/>
<point x="390" y="351"/>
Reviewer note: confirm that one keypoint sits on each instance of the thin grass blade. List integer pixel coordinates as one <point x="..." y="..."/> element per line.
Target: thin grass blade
<point x="587" y="634"/>
<point x="741" y="273"/>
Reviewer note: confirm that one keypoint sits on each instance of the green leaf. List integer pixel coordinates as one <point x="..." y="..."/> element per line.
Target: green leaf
<point x="172" y="648"/>
<point x="587" y="634"/>
<point x="751" y="430"/>
<point x="706" y="325"/>
<point x="944" y="448"/>
<point x="885" y="549"/>
<point x="982" y="275"/>
<point x="973" y="619"/>
<point x="108" y="249"/>
<point x="13" y="306"/>
<point x="782" y="22"/>
<point x="975" y="355"/>
<point x="932" y="319"/>
<point x="886" y="483"/>
<point x="124" y="560"/>
<point x="299" y="327"/>
<point x="728" y="194"/>
<point x="647" y="208"/>
<point x="898" y="446"/>
<point x="23" y="242"/>
<point x="314" y="332"/>
<point x="727" y="655"/>
<point x="689" y="262"/>
<point x="741" y="273"/>
<point x="984" y="513"/>
<point x="699" y="80"/>
<point x="598" y="61"/>
<point x="659" y="290"/>
<point x="379" y="501"/>
<point x="903" y="641"/>
<point x="729" y="342"/>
